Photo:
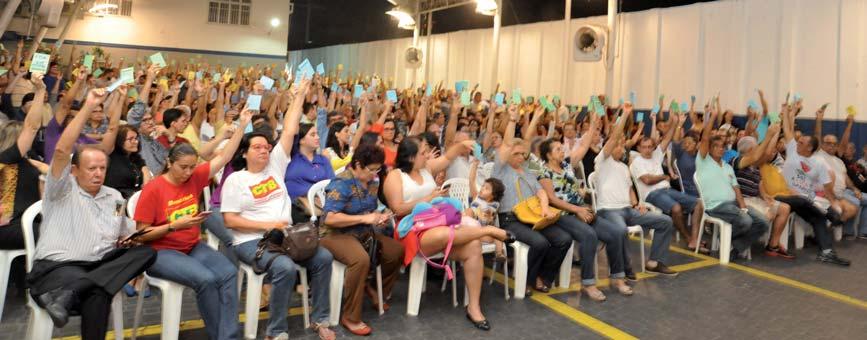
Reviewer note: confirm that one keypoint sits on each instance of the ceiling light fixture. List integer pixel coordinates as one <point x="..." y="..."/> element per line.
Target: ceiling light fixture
<point x="101" y="8"/>
<point x="486" y="7"/>
<point x="404" y="19"/>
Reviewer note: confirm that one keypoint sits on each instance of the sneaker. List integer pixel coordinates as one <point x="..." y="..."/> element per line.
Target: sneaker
<point x="832" y="258"/>
<point x="661" y="268"/>
<point x="778" y="252"/>
<point x="862" y="237"/>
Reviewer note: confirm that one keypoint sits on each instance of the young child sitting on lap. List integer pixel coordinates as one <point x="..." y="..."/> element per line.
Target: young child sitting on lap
<point x="485" y="204"/>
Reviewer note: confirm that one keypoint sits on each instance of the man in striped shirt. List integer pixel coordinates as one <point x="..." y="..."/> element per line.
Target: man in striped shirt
<point x="83" y="256"/>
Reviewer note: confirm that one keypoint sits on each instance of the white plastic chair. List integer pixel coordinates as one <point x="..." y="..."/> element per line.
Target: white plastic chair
<point x="213" y="241"/>
<point x="6" y="257"/>
<point x="338" y="270"/>
<point x="40" y="326"/>
<point x="633" y="229"/>
<point x="254" y="294"/>
<point x="722" y="230"/>
<point x="172" y="293"/>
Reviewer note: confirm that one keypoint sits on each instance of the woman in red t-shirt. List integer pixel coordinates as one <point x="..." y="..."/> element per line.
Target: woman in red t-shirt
<point x="168" y="209"/>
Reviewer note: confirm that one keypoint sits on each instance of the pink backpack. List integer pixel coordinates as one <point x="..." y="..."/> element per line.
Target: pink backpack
<point x="441" y="214"/>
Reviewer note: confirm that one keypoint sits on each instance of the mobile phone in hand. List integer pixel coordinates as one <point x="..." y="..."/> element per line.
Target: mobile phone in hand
<point x="205" y="213"/>
<point x="135" y="235"/>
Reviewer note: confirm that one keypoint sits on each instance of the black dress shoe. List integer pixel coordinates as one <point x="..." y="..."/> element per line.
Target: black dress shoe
<point x="57" y="303"/>
<point x="630" y="275"/>
<point x="483" y="325"/>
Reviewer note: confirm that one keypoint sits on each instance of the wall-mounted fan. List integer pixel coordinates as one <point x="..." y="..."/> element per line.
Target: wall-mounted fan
<point x="589" y="43"/>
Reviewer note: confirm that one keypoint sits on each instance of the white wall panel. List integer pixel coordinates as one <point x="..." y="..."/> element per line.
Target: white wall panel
<point x="817" y="48"/>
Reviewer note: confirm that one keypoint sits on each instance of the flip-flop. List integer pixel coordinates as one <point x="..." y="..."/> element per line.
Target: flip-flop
<point x="363" y="331"/>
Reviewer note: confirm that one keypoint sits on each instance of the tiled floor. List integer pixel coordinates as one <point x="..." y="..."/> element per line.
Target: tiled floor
<point x="759" y="299"/>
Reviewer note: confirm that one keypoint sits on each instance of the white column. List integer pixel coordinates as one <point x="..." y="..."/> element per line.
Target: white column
<point x="567" y="48"/>
<point x="495" y="56"/>
<point x="428" y="52"/>
<point x="69" y="21"/>
<point x="8" y="12"/>
<point x="415" y="33"/>
<point x="609" y="55"/>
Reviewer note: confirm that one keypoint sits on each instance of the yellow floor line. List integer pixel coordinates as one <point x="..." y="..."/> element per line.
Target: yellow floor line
<point x="185" y="326"/>
<point x="776" y="278"/>
<point x="800" y="285"/>
<point x="581" y="318"/>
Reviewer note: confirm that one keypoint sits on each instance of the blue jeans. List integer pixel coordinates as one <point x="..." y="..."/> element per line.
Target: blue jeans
<point x="215" y="281"/>
<point x="746" y="227"/>
<point x="666" y="199"/>
<point x="215" y="224"/>
<point x="588" y="238"/>
<point x="660" y="224"/>
<point x="849" y="228"/>
<point x="283" y="272"/>
<point x="548" y="247"/>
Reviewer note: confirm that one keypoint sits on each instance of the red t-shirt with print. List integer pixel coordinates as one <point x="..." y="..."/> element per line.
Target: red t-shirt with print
<point x="162" y="202"/>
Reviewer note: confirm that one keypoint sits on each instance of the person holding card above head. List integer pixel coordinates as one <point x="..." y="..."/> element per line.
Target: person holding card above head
<point x="721" y="193"/>
<point x="654" y="187"/>
<point x="849" y="197"/>
<point x="62" y="115"/>
<point x="254" y="201"/>
<point x="618" y="203"/>
<point x="168" y="209"/>
<point x="307" y="167"/>
<point x="387" y="128"/>
<point x="804" y="173"/>
<point x="548" y="246"/>
<point x="578" y="219"/>
<point x="19" y="173"/>
<point x="83" y="256"/>
<point x="140" y="117"/>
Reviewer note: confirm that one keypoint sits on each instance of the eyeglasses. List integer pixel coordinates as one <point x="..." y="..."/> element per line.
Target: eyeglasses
<point x="266" y="147"/>
<point x="374" y="170"/>
<point x="522" y="155"/>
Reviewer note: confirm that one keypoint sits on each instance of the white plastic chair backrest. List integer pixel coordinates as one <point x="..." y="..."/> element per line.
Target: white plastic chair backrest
<point x="679" y="175"/>
<point x="697" y="185"/>
<point x="206" y="193"/>
<point x="340" y="171"/>
<point x="316" y="191"/>
<point x="27" y="229"/>
<point x="591" y="183"/>
<point x="460" y="190"/>
<point x="131" y="202"/>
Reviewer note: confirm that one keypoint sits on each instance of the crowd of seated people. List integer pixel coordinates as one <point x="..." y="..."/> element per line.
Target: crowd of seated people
<point x="82" y="146"/>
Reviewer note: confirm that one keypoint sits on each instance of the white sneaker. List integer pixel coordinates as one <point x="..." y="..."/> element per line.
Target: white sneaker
<point x="281" y="336"/>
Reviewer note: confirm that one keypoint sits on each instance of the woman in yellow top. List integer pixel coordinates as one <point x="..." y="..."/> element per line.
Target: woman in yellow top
<point x="338" y="148"/>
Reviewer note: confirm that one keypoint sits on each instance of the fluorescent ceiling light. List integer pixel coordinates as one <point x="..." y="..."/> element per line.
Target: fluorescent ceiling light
<point x="486" y="7"/>
<point x="405" y="20"/>
<point x="101" y="8"/>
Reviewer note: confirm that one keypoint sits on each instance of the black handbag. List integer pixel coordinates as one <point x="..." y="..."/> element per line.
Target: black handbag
<point x="299" y="242"/>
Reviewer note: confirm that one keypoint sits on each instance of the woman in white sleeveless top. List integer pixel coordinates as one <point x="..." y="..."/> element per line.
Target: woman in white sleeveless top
<point x="412" y="182"/>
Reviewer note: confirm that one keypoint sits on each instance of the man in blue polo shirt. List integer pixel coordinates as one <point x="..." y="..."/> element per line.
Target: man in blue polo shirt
<point x="721" y="195"/>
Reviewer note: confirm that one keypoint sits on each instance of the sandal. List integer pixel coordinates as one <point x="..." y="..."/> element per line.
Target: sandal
<point x="625" y="289"/>
<point x="362" y="331"/>
<point x="595" y="295"/>
<point x="324" y="332"/>
<point x="542" y="288"/>
<point x="701" y="250"/>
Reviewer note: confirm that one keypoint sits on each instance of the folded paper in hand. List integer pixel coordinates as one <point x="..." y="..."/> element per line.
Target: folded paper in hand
<point x="267" y="82"/>
<point x="157" y="59"/>
<point x="127" y="75"/>
<point x="254" y="101"/>
<point x="40" y="62"/>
